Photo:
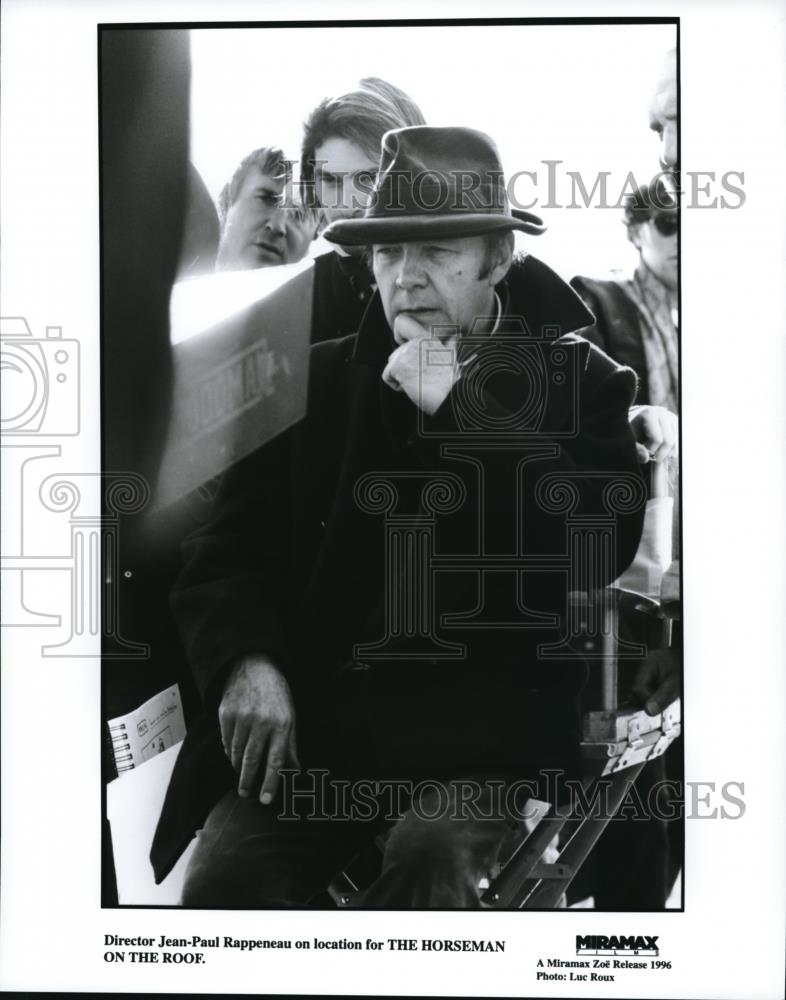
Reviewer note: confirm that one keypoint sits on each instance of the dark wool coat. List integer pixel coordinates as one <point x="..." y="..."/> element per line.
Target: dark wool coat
<point x="297" y="558"/>
<point x="617" y="327"/>
<point x="342" y="289"/>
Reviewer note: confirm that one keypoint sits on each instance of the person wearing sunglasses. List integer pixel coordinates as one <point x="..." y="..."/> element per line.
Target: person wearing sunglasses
<point x="634" y="864"/>
<point x="636" y="318"/>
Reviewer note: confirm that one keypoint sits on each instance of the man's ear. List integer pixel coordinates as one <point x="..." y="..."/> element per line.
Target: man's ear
<point x="634" y="236"/>
<point x="503" y="258"/>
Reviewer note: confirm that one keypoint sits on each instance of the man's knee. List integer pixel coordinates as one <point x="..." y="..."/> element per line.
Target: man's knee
<point x="235" y="879"/>
<point x="233" y="860"/>
<point x="216" y="876"/>
<point x="247" y="857"/>
<point x="204" y="886"/>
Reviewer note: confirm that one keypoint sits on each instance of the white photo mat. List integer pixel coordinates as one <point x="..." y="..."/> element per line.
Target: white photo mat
<point x="729" y="940"/>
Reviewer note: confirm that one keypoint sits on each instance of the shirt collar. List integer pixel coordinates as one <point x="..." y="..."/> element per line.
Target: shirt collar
<point x="650" y="285"/>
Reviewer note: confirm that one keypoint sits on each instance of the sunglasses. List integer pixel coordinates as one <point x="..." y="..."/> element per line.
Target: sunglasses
<point x="667" y="225"/>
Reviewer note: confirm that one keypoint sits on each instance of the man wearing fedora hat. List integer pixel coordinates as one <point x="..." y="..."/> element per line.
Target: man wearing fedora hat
<point x="393" y="570"/>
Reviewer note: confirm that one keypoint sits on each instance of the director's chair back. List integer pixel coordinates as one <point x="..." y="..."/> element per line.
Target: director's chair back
<point x="617" y="743"/>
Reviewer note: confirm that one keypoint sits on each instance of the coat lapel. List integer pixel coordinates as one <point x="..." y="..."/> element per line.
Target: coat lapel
<point x="352" y="577"/>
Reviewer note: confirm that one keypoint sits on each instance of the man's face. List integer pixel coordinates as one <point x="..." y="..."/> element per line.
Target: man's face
<point x="659" y="251"/>
<point x="343" y="177"/>
<point x="434" y="283"/>
<point x="663" y="113"/>
<point x="259" y="230"/>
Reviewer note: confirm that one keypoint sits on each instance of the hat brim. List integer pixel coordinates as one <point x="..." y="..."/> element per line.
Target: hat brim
<point x="407" y="228"/>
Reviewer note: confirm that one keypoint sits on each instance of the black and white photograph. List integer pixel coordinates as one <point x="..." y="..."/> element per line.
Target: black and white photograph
<point x="389" y="499"/>
<point x="411" y="555"/>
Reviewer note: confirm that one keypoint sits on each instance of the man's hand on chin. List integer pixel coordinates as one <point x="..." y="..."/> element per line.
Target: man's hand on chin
<point x="257" y="719"/>
<point x="423" y="367"/>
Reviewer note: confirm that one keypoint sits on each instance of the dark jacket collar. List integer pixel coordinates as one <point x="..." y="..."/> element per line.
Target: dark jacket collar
<point x="531" y="292"/>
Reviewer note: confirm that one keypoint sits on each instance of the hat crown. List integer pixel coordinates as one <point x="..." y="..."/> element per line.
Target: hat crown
<point x="425" y="170"/>
<point x="435" y="182"/>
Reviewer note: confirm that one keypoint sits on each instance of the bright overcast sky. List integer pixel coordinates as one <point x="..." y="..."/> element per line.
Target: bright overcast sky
<point x="578" y="94"/>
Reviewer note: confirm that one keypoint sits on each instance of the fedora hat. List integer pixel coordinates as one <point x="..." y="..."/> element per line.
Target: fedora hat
<point x="435" y="183"/>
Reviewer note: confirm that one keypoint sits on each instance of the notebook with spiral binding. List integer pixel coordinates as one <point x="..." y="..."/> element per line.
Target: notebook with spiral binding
<point x="147" y="731"/>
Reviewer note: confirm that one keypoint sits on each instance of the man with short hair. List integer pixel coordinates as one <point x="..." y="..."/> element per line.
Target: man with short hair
<point x="636" y="318"/>
<point x="261" y="223"/>
<point x="463" y="423"/>
<point x="664" y="120"/>
<point x="338" y="162"/>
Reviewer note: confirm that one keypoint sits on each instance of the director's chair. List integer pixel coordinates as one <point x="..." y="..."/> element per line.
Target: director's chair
<point x="617" y="743"/>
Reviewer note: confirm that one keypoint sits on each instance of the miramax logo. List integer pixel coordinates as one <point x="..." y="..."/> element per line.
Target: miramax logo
<point x="599" y="944"/>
